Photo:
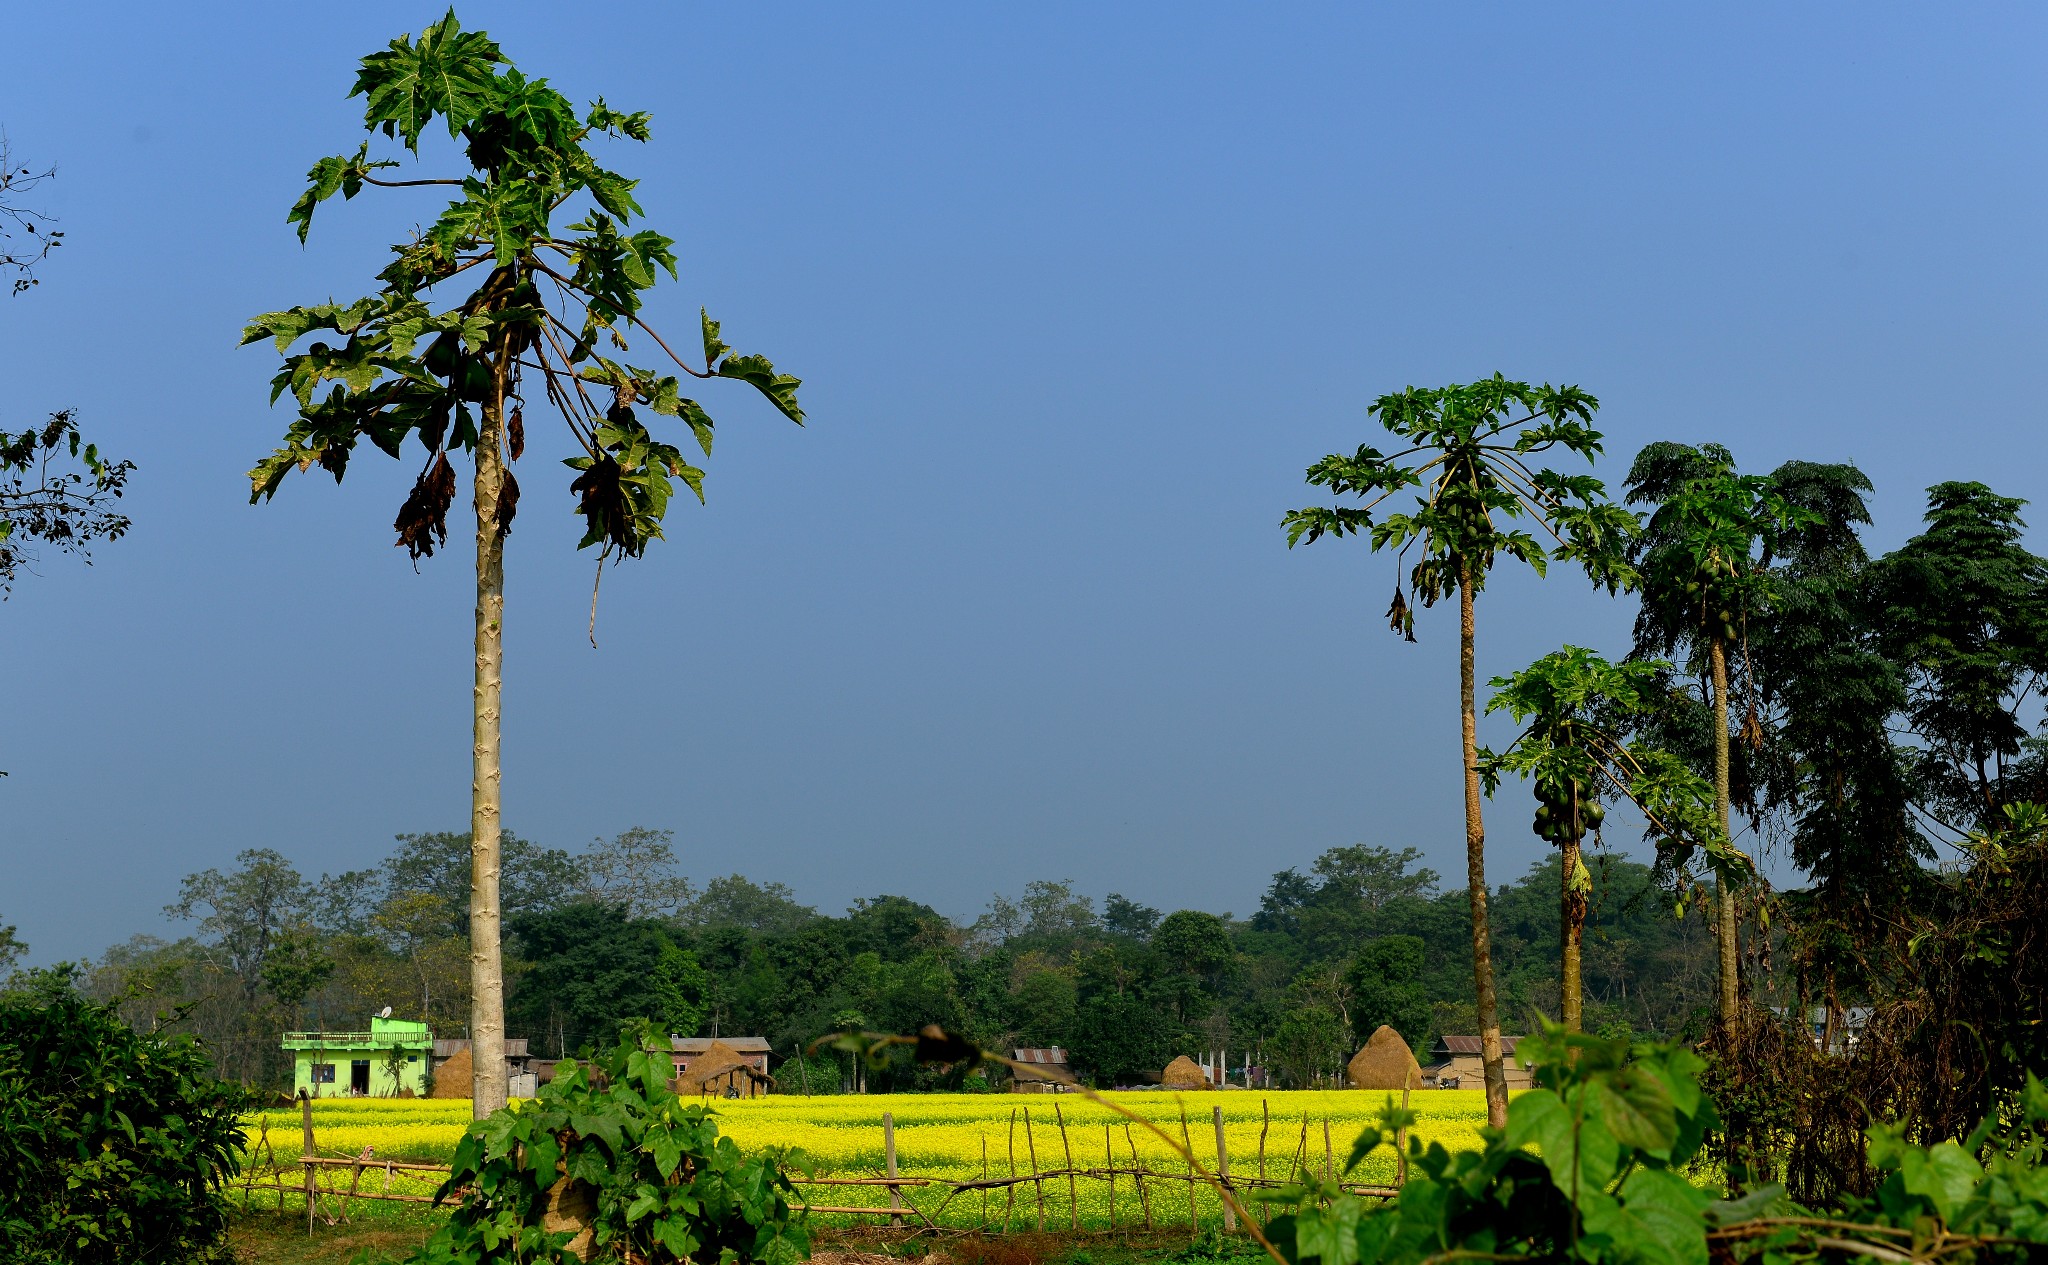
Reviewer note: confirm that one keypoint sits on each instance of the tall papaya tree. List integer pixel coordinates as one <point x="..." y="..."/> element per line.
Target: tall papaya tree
<point x="1575" y="746"/>
<point x="531" y="268"/>
<point x="1704" y="562"/>
<point x="1470" y="454"/>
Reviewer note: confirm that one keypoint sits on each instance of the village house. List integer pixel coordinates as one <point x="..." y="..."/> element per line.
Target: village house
<point x="385" y="1062"/>
<point x="725" y="1067"/>
<point x="1456" y="1063"/>
<point x="452" y="1068"/>
<point x="1029" y="1079"/>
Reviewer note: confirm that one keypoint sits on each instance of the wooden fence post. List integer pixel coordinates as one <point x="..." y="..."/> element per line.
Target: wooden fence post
<point x="1265" y="1123"/>
<point x="1038" y="1183"/>
<point x="1327" y="1172"/>
<point x="889" y="1157"/>
<point x="1187" y="1147"/>
<point x="1223" y="1169"/>
<point x="306" y="1153"/>
<point x="1073" y="1194"/>
<point x="1401" y="1145"/>
<point x="983" y="1227"/>
<point x="1109" y="1165"/>
<point x="1010" y="1191"/>
<point x="1138" y="1176"/>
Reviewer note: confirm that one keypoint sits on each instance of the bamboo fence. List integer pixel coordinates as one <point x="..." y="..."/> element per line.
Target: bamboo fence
<point x="328" y="1186"/>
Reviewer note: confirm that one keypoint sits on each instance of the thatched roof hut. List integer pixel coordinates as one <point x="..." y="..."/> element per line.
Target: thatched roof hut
<point x="723" y="1072"/>
<point x="1184" y="1073"/>
<point x="451" y="1078"/>
<point x="1385" y="1062"/>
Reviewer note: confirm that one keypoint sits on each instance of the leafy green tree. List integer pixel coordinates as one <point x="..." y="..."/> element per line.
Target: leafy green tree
<point x="247" y="911"/>
<point x="1386" y="988"/>
<point x="681" y="990"/>
<point x="1469" y="456"/>
<point x="1703" y="558"/>
<point x="1575" y="705"/>
<point x="595" y="970"/>
<point x="531" y="269"/>
<point x="1963" y="607"/>
<point x="12" y="948"/>
<point x="1042" y="1006"/>
<point x="1124" y="917"/>
<point x="296" y="965"/>
<point x="636" y="870"/>
<point x="57" y="490"/>
<point x="531" y="879"/>
<point x="1122" y="1038"/>
<point x="1310" y="1041"/>
<point x="736" y="901"/>
<point x="1832" y="759"/>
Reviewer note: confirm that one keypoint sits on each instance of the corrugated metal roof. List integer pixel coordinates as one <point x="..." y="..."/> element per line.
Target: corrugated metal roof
<point x="445" y="1047"/>
<point x="1469" y="1045"/>
<point x="1053" y="1055"/>
<point x="697" y="1045"/>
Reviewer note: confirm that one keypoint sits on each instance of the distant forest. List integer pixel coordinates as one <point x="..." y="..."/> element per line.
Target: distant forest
<point x="1366" y="936"/>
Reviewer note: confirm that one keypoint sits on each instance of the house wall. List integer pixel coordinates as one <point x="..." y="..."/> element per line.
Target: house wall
<point x="412" y="1073"/>
<point x="1470" y="1070"/>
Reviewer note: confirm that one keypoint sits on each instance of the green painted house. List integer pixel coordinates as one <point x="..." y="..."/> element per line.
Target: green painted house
<point x="390" y="1058"/>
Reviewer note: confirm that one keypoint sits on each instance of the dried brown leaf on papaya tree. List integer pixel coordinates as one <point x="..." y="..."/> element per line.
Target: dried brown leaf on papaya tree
<point x="602" y="501"/>
<point x="508" y="504"/>
<point x="423" y="520"/>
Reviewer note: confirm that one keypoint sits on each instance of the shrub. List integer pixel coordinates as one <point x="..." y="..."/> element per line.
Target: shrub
<point x="114" y="1144"/>
<point x="607" y="1163"/>
<point x="1592" y="1167"/>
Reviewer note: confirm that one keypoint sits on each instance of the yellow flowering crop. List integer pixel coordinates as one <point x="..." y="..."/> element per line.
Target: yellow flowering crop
<point x="964" y="1137"/>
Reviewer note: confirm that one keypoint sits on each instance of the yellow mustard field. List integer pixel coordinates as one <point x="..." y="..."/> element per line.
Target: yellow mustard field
<point x="964" y="1137"/>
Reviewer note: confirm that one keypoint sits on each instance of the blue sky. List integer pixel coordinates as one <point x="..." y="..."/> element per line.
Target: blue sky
<point x="1077" y="292"/>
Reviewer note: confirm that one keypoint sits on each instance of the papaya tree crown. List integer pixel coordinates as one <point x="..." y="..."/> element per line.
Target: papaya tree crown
<point x="1470" y="456"/>
<point x="541" y="227"/>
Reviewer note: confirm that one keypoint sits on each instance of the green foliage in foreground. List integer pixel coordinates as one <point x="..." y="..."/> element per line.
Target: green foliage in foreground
<point x="114" y="1144"/>
<point x="610" y="1147"/>
<point x="1592" y="1167"/>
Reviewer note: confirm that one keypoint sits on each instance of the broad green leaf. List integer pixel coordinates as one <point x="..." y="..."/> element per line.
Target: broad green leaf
<point x="1655" y="1221"/>
<point x="448" y="72"/>
<point x="1636" y="1108"/>
<point x="780" y="388"/>
<point x="1944" y="1175"/>
<point x="714" y="346"/>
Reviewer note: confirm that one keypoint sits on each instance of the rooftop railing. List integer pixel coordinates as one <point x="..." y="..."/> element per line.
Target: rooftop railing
<point x="382" y="1040"/>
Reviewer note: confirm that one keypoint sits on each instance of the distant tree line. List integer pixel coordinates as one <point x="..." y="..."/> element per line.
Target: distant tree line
<point x="614" y="934"/>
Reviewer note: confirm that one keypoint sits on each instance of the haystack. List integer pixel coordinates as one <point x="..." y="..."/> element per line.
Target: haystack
<point x="451" y="1079"/>
<point x="1184" y="1073"/>
<point x="1385" y="1062"/>
<point x="712" y="1072"/>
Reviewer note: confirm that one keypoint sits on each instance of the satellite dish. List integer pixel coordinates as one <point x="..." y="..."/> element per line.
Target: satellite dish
<point x="385" y="1013"/>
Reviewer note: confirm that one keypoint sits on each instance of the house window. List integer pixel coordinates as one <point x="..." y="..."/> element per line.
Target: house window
<point x="323" y="1073"/>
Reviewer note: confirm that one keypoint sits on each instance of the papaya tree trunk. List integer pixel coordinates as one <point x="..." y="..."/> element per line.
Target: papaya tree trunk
<point x="489" y="1089"/>
<point x="1572" y="909"/>
<point x="1724" y="899"/>
<point x="1475" y="866"/>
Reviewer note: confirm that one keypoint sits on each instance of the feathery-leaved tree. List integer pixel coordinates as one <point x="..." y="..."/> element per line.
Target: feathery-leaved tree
<point x="528" y="282"/>
<point x="1704" y="563"/>
<point x="1574" y="705"/>
<point x="1470" y="456"/>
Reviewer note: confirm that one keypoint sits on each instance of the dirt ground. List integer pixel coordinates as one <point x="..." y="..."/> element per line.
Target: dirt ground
<point x="269" y="1239"/>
